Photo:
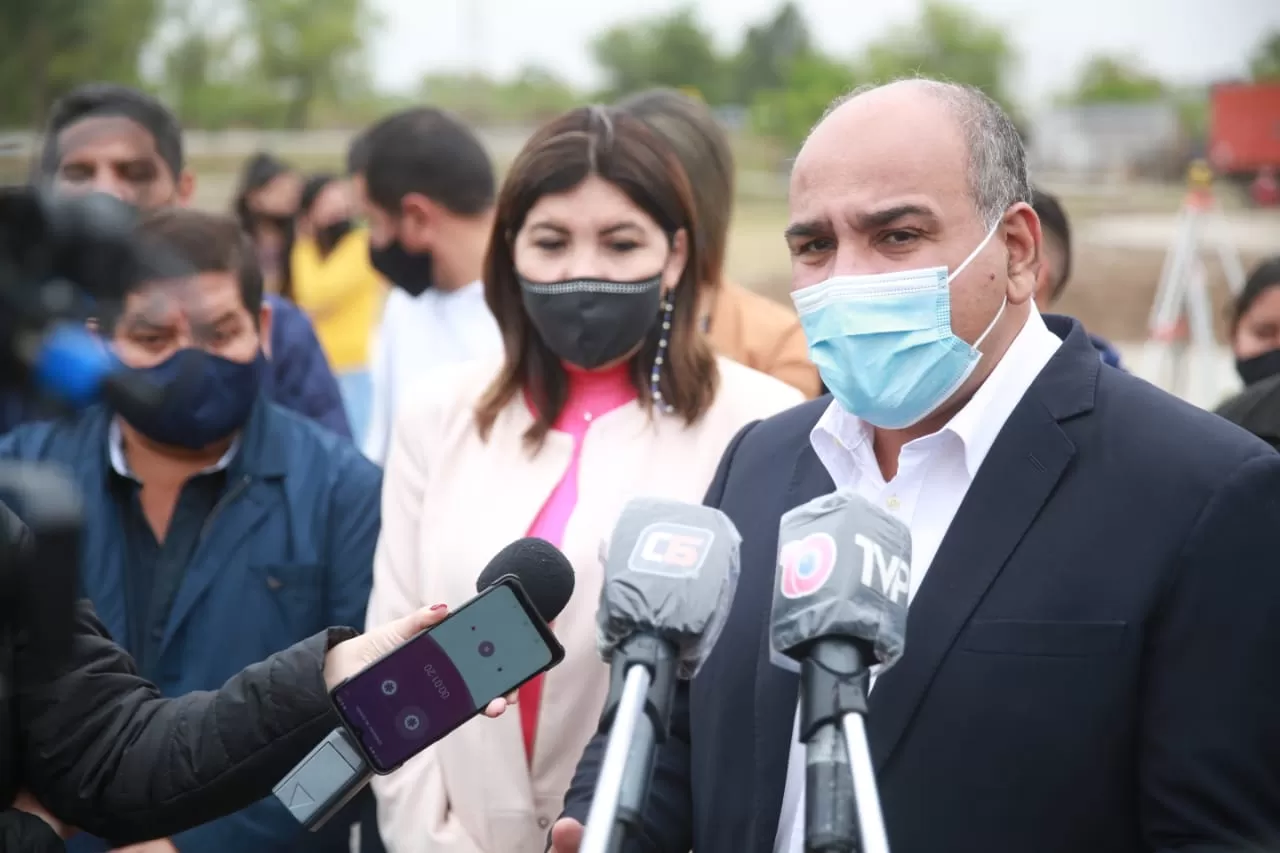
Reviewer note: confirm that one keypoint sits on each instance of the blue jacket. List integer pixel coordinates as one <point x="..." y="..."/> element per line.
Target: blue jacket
<point x="300" y="378"/>
<point x="1109" y="354"/>
<point x="288" y="552"/>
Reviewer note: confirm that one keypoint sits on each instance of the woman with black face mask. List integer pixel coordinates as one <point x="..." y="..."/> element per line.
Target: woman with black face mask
<point x="1255" y="341"/>
<point x="332" y="280"/>
<point x="266" y="204"/>
<point x="607" y="391"/>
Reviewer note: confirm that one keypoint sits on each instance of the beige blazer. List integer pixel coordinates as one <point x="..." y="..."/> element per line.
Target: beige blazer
<point x="450" y="502"/>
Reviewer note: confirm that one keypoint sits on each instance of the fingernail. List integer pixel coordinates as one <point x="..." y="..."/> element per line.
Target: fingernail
<point x="439" y="606"/>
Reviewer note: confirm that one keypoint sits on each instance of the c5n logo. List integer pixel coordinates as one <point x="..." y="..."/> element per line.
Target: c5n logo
<point x="672" y="550"/>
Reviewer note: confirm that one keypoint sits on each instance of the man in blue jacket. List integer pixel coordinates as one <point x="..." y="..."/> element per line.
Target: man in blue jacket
<point x="108" y="138"/>
<point x="219" y="527"/>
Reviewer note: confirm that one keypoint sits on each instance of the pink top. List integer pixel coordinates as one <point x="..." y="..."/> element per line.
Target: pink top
<point x="591" y="394"/>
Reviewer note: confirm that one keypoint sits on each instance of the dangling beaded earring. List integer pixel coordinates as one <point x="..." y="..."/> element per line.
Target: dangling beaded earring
<point x="654" y="378"/>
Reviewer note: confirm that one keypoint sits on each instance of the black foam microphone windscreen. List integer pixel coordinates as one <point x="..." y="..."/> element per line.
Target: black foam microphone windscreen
<point x="542" y="569"/>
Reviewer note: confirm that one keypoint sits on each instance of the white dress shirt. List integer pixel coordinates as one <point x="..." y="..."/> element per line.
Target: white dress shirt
<point x="934" y="474"/>
<point x="417" y="336"/>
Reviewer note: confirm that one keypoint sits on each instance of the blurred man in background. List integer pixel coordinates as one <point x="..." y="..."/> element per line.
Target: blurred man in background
<point x="1055" y="268"/>
<point x="116" y="140"/>
<point x="219" y="527"/>
<point x="428" y="190"/>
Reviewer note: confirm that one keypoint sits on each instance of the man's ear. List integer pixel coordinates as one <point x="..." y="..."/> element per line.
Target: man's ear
<point x="265" y="318"/>
<point x="1023" y="240"/>
<point x="186" y="188"/>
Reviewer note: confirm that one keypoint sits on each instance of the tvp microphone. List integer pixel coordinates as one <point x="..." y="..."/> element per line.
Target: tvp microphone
<point x="669" y="579"/>
<point x="839" y="607"/>
<point x="334" y="772"/>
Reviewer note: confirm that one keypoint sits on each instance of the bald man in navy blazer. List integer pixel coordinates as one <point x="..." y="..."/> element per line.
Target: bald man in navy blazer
<point x="1093" y="645"/>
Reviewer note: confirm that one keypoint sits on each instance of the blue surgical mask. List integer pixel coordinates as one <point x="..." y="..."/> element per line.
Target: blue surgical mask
<point x="884" y="345"/>
<point x="206" y="399"/>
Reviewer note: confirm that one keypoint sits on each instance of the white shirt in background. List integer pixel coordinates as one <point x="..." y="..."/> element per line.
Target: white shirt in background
<point x="934" y="474"/>
<point x="418" y="335"/>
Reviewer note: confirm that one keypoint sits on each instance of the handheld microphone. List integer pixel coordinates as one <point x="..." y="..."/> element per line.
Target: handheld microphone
<point x="669" y="579"/>
<point x="334" y="772"/>
<point x="839" y="606"/>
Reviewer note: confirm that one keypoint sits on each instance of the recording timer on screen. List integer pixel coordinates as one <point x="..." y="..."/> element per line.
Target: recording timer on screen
<point x="431" y="685"/>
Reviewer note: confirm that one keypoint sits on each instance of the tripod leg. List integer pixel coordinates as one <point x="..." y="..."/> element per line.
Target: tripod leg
<point x="1203" y="343"/>
<point x="1228" y="256"/>
<point x="1161" y="356"/>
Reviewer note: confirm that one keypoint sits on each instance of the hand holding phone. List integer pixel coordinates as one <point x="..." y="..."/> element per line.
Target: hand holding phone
<point x="351" y="656"/>
<point x="423" y="689"/>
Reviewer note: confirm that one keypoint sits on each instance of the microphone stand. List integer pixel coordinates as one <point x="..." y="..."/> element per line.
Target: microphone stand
<point x="637" y="715"/>
<point x="833" y="700"/>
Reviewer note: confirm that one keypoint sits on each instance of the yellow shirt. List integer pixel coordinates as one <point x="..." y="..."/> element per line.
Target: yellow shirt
<point x="342" y="294"/>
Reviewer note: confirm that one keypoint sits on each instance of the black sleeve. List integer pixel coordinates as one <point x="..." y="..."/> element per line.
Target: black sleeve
<point x="669" y="811"/>
<point x="24" y="833"/>
<point x="1209" y="759"/>
<point x="105" y="753"/>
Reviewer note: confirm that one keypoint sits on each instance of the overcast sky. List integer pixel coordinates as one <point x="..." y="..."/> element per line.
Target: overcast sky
<point x="1183" y="40"/>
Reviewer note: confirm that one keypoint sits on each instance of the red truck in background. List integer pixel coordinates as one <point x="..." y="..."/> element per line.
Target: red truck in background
<point x="1244" y="137"/>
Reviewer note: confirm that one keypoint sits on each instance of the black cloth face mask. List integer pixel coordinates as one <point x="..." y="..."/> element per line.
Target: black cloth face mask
<point x="591" y="322"/>
<point x="1258" y="368"/>
<point x="409" y="271"/>
<point x="329" y="236"/>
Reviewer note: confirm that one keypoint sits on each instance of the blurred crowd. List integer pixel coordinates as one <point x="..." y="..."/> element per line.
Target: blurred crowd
<point x="390" y="372"/>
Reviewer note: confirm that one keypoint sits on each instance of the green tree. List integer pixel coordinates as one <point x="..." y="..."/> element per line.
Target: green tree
<point x="310" y="50"/>
<point x="674" y="50"/>
<point x="1265" y="64"/>
<point x="948" y="42"/>
<point x="1108" y="79"/>
<point x="534" y="96"/>
<point x="48" y="47"/>
<point x="810" y="84"/>
<point x="767" y="51"/>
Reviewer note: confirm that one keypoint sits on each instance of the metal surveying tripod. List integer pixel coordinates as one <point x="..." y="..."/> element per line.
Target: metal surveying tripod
<point x="1181" y="350"/>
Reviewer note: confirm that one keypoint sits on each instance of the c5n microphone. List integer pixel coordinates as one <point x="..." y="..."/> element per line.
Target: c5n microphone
<point x="669" y="580"/>
<point x="334" y="772"/>
<point x="839" y="607"/>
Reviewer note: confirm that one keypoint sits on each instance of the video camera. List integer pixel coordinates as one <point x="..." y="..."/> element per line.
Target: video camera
<point x="61" y="260"/>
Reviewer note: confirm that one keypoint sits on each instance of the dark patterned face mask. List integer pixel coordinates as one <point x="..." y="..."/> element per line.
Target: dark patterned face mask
<point x="592" y="322"/>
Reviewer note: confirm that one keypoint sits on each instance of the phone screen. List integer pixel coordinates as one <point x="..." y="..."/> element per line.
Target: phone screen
<point x="425" y="689"/>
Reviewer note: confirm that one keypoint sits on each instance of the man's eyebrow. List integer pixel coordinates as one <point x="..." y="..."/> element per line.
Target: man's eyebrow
<point x="874" y="219"/>
<point x="811" y="228"/>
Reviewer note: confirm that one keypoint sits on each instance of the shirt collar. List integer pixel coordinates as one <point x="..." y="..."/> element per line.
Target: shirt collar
<point x="120" y="463"/>
<point x="842" y="441"/>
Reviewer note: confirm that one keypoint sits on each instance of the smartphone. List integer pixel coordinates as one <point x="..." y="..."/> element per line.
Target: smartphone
<point x="415" y="695"/>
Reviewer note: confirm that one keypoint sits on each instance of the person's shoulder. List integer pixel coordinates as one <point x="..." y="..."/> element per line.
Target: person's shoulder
<point x="1257" y="402"/>
<point x="785" y="430"/>
<point x="55" y="436"/>
<point x="752" y="393"/>
<point x="446" y="394"/>
<point x="312" y="445"/>
<point x="767" y="315"/>
<point x="1145" y="425"/>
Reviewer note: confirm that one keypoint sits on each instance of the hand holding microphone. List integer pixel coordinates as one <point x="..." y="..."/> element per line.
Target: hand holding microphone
<point x="404" y="686"/>
<point x="839" y="607"/>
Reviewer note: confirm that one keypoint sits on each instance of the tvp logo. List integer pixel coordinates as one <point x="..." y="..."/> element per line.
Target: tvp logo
<point x="806" y="564"/>
<point x="671" y="550"/>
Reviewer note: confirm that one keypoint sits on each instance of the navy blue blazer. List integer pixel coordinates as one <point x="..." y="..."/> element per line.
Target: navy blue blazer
<point x="1091" y="662"/>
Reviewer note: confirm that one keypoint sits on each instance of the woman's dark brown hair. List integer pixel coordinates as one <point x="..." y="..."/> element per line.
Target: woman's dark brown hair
<point x="622" y="150"/>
